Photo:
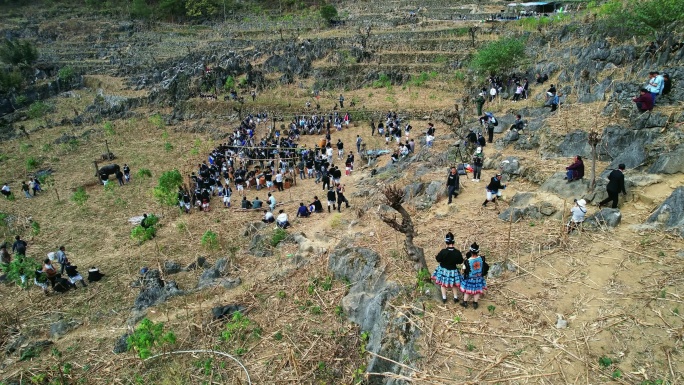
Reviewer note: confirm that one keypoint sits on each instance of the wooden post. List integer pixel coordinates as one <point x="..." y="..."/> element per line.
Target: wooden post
<point x="107" y="153"/>
<point x="96" y="168"/>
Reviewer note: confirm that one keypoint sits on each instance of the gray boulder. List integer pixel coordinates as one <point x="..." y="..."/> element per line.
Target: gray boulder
<point x="607" y="217"/>
<point x="227" y="311"/>
<point x="217" y="275"/>
<point x="671" y="212"/>
<point x="253" y="228"/>
<point x="511" y="166"/>
<point x="512" y="214"/>
<point x="511" y="136"/>
<point x="62" y="327"/>
<point x="171" y="267"/>
<point x="671" y="162"/>
<point x="259" y="247"/>
<point x="556" y="184"/>
<point x="121" y="344"/>
<point x="433" y="192"/>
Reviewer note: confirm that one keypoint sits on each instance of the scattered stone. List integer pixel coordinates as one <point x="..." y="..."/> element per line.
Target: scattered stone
<point x="515" y="213"/>
<point x="643" y="180"/>
<point x="61" y="328"/>
<point x="227" y="311"/>
<point x="671" y="212"/>
<point x="253" y="228"/>
<point x="547" y="209"/>
<point x="259" y="246"/>
<point x="495" y="269"/>
<point x="606" y="217"/>
<point x="510" y="166"/>
<point x="171" y="267"/>
<point x="201" y="262"/>
<point x="561" y="323"/>
<point x="154" y="290"/>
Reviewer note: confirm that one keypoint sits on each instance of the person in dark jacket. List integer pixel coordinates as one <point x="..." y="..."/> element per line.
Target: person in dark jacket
<point x="667" y="84"/>
<point x="494" y="189"/>
<point x="616" y="183"/>
<point x="446" y="275"/>
<point x="575" y="170"/>
<point x="644" y="102"/>
<point x="452" y="183"/>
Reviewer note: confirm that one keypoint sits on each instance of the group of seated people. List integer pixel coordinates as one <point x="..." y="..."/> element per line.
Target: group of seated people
<point x="48" y="275"/>
<point x="656" y="85"/>
<point x="282" y="221"/>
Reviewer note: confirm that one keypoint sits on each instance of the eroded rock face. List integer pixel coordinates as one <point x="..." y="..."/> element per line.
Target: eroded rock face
<point x="154" y="290"/>
<point x="670" y="214"/>
<point x="607" y="217"/>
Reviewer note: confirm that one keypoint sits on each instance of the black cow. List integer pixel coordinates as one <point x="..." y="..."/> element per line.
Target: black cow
<point x="109" y="169"/>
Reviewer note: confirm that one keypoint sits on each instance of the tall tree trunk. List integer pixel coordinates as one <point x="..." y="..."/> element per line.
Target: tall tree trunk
<point x="394" y="197"/>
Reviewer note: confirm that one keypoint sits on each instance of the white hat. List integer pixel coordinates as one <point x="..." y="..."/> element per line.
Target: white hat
<point x="479" y="150"/>
<point x="582" y="202"/>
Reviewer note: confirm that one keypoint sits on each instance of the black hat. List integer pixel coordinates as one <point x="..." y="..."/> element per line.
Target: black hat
<point x="449" y="238"/>
<point x="475" y="248"/>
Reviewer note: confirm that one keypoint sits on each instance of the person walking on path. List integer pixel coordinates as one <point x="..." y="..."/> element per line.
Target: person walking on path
<point x="452" y="183"/>
<point x="494" y="189"/>
<point x="25" y="189"/>
<point x="478" y="161"/>
<point x="473" y="283"/>
<point x="616" y="183"/>
<point x="446" y="275"/>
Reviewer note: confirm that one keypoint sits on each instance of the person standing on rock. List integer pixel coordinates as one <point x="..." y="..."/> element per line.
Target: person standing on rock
<point x="494" y="189"/>
<point x="452" y="183"/>
<point x="446" y="275"/>
<point x="616" y="183"/>
<point x="473" y="282"/>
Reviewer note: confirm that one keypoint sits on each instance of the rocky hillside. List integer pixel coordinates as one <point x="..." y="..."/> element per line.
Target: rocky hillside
<point x="337" y="298"/>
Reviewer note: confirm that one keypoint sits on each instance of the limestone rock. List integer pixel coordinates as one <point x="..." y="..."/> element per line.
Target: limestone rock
<point x="171" y="267"/>
<point x="671" y="212"/>
<point x="606" y="217"/>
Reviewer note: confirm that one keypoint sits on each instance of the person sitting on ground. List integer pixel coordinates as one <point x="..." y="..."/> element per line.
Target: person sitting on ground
<point x="6" y="190"/>
<point x="518" y="125"/>
<point x="256" y="203"/>
<point x="551" y="92"/>
<point x="94" y="274"/>
<point x="644" y="102"/>
<point x="74" y="275"/>
<point x="303" y="211"/>
<point x="575" y="170"/>
<point x="282" y="220"/>
<point x="579" y="210"/>
<point x="40" y="280"/>
<point x="268" y="217"/>
<point x="245" y="203"/>
<point x="317" y="205"/>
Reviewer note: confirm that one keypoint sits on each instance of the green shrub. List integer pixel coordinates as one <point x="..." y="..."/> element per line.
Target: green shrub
<point x="236" y="327"/>
<point x="18" y="52"/>
<point x="641" y="17"/>
<point x="11" y="81"/>
<point x="32" y="163"/>
<point x="229" y="84"/>
<point x="329" y="13"/>
<point x="166" y="191"/>
<point x="210" y="240"/>
<point x="66" y="74"/>
<point x="141" y="234"/>
<point x="35" y="228"/>
<point x="278" y="236"/>
<point x="20" y="266"/>
<point x="383" y="81"/>
<point x="38" y="110"/>
<point x="144" y="173"/>
<point x="140" y="10"/>
<point x="499" y="56"/>
<point x="147" y="336"/>
<point x="80" y="196"/>
<point x="168" y="147"/>
<point x="109" y="128"/>
<point x="157" y="121"/>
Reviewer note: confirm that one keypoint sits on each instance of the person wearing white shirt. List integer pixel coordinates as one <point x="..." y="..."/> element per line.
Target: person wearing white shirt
<point x="282" y="220"/>
<point x="268" y="217"/>
<point x="271" y="202"/>
<point x="655" y="84"/>
<point x="578" y="212"/>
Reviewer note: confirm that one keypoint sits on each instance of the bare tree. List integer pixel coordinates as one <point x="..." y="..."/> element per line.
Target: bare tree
<point x="594" y="139"/>
<point x="473" y="31"/>
<point x="394" y="196"/>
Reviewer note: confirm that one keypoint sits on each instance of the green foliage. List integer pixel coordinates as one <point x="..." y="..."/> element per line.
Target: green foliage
<point x="166" y="191"/>
<point x="201" y="8"/>
<point x="499" y="56"/>
<point x="157" y="121"/>
<point x="168" y="147"/>
<point x="32" y="163"/>
<point x="535" y="23"/>
<point x="141" y="234"/>
<point x="35" y="228"/>
<point x="640" y="17"/>
<point x="278" y="336"/>
<point x="80" y="196"/>
<point x="278" y="236"/>
<point x="419" y="81"/>
<point x="140" y="10"/>
<point x="210" y="240"/>
<point x="172" y="8"/>
<point x="470" y="346"/>
<point x="617" y="373"/>
<point x="329" y="13"/>
<point x="66" y="74"/>
<point x="459" y="76"/>
<point x="229" y="84"/>
<point x="109" y="128"/>
<point x="11" y="81"/>
<point x="18" y="52"/>
<point x="20" y="266"/>
<point x="422" y="279"/>
<point x="491" y="309"/>
<point x="147" y="336"/>
<point x="144" y="173"/>
<point x="38" y="110"/>
<point x="605" y="362"/>
<point x="365" y="337"/>
<point x="235" y="327"/>
<point x="382" y="82"/>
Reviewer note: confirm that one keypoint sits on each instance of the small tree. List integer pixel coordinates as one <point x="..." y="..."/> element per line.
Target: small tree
<point x="148" y="335"/>
<point x="594" y="139"/>
<point x="394" y="197"/>
<point x="329" y="13"/>
<point x="499" y="56"/>
<point x="167" y="190"/>
<point x="18" y="52"/>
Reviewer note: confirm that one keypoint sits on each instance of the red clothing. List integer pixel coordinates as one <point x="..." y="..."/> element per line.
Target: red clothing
<point x="646" y="101"/>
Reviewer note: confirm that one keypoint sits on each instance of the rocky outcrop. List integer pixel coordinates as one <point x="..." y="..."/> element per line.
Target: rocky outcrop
<point x="217" y="275"/>
<point x="154" y="290"/>
<point x="670" y="214"/>
<point x="390" y="335"/>
<point x="607" y="217"/>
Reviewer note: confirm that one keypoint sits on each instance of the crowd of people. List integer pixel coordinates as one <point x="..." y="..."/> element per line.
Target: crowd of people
<point x="32" y="185"/>
<point x="56" y="271"/>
